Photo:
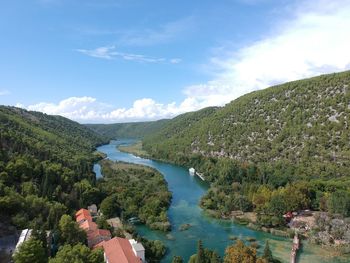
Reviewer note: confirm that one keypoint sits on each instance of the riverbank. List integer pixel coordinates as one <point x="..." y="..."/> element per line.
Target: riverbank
<point x="215" y="233"/>
<point x="135" y="149"/>
<point x="136" y="191"/>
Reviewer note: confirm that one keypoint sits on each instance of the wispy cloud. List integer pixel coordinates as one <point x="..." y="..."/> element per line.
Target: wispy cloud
<point x="314" y="42"/>
<point x="4" y="92"/>
<point x="109" y="52"/>
<point x="164" y="34"/>
<point x="145" y="36"/>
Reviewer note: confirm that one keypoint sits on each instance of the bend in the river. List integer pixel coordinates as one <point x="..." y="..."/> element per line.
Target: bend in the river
<point x="187" y="191"/>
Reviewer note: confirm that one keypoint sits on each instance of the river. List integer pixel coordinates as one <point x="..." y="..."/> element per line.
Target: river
<point x="187" y="191"/>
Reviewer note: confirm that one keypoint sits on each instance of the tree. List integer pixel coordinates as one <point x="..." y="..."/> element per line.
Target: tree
<point x="77" y="254"/>
<point x="267" y="252"/>
<point x="177" y="259"/>
<point x="31" y="251"/>
<point x="200" y="252"/>
<point x="339" y="202"/>
<point x="70" y="233"/>
<point x="240" y="253"/>
<point x="109" y="206"/>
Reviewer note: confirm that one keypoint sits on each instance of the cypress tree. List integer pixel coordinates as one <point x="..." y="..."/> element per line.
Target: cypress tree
<point x="200" y="252"/>
<point x="267" y="252"/>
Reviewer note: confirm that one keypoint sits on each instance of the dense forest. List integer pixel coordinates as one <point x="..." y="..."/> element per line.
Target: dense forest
<point x="135" y="191"/>
<point x="127" y="130"/>
<point x="45" y="175"/>
<point x="44" y="161"/>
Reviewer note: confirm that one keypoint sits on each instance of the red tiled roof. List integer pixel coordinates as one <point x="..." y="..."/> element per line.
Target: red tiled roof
<point x="82" y="215"/>
<point x="81" y="218"/>
<point x="119" y="250"/>
<point x="99" y="232"/>
<point x="83" y="211"/>
<point x="88" y="226"/>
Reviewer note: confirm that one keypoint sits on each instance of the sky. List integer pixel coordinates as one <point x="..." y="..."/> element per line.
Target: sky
<point x="108" y="61"/>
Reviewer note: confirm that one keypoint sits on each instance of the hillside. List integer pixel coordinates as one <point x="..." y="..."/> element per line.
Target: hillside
<point x="285" y="148"/>
<point x="303" y="124"/>
<point x="44" y="159"/>
<point x="127" y="130"/>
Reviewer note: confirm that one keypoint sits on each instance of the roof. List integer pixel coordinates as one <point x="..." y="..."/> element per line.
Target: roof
<point x="82" y="217"/>
<point x="83" y="211"/>
<point x="25" y="235"/>
<point x="138" y="247"/>
<point x="88" y="225"/>
<point x="119" y="250"/>
<point x="99" y="232"/>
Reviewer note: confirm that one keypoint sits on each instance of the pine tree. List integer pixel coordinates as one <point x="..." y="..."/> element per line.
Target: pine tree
<point x="200" y="252"/>
<point x="267" y="252"/>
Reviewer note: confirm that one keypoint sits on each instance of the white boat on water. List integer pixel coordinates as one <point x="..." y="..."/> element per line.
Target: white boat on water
<point x="192" y="171"/>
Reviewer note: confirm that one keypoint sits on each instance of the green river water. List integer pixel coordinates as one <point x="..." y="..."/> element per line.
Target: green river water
<point x="187" y="191"/>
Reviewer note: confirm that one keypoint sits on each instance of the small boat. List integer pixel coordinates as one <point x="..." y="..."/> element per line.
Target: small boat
<point x="192" y="171"/>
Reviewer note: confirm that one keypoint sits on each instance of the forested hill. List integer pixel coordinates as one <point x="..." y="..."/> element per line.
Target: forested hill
<point x="45" y="167"/>
<point x="301" y="128"/>
<point x="127" y="130"/>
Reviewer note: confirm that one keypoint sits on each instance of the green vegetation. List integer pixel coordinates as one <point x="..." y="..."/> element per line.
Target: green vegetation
<point x="127" y="130"/>
<point x="281" y="149"/>
<point x="241" y="253"/>
<point x="204" y="255"/>
<point x="45" y="168"/>
<point x="30" y="251"/>
<point x="135" y="149"/>
<point x="45" y="173"/>
<point x="69" y="231"/>
<point x="135" y="191"/>
<point x="155" y="249"/>
<point x="78" y="253"/>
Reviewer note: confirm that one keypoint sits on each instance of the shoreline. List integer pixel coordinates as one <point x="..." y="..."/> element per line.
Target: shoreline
<point x="285" y="232"/>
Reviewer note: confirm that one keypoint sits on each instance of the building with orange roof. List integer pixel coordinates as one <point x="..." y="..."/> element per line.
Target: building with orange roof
<point x="97" y="236"/>
<point x="88" y="226"/>
<point x="94" y="234"/>
<point x="83" y="215"/>
<point x="121" y="250"/>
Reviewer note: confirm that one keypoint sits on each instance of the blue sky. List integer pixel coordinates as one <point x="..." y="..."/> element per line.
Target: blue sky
<point x="117" y="61"/>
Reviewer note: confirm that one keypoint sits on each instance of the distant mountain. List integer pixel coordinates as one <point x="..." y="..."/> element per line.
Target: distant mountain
<point x="301" y="127"/>
<point x="127" y="130"/>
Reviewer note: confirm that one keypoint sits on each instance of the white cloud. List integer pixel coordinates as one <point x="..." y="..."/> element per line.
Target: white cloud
<point x="100" y="52"/>
<point x="316" y="41"/>
<point x="88" y="109"/>
<point x="109" y="52"/>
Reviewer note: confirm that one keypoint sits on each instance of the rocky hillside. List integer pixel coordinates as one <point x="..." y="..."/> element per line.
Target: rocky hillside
<point x="301" y="125"/>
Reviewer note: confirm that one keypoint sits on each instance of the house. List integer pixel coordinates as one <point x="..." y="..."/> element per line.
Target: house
<point x="25" y="235"/>
<point x="97" y="236"/>
<point x="138" y="249"/>
<point x="82" y="215"/>
<point x="88" y="226"/>
<point x="121" y="250"/>
<point x="93" y="233"/>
